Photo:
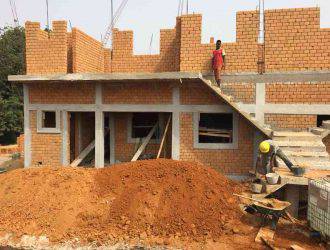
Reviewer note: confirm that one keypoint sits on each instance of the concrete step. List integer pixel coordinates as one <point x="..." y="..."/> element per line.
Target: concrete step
<point x="308" y="165"/>
<point x="301" y="144"/>
<point x="307" y="154"/>
<point x="294" y="136"/>
<point x="320" y="131"/>
<point x="326" y="125"/>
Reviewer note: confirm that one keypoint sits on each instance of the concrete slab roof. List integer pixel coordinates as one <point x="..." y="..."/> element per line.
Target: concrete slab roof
<point x="303" y="76"/>
<point x="115" y="77"/>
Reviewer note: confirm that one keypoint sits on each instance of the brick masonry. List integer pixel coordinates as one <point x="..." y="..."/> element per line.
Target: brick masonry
<point x="56" y="93"/>
<point x="233" y="161"/>
<point x="138" y="93"/>
<point x="294" y="42"/>
<point x="181" y="49"/>
<point x="292" y="122"/>
<point x="299" y="92"/>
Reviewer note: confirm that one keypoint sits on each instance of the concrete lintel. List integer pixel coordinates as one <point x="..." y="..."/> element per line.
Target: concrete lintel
<point x="105" y="77"/>
<point x="298" y="109"/>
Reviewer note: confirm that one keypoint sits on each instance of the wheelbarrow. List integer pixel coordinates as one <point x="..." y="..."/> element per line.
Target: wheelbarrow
<point x="271" y="210"/>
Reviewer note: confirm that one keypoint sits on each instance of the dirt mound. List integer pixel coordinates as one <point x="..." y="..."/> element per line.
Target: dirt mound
<point x="146" y="198"/>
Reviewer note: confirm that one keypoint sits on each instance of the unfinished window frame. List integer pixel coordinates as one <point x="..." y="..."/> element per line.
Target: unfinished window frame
<point x="215" y="146"/>
<point x="41" y="129"/>
<point x="132" y="140"/>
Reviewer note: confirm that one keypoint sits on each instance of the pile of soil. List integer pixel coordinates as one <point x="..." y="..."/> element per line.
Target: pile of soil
<point x="154" y="198"/>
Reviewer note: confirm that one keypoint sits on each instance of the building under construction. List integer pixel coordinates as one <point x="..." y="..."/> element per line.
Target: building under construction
<point x="84" y="104"/>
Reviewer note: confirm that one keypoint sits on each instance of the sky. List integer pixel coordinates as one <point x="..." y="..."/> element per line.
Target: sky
<point x="147" y="17"/>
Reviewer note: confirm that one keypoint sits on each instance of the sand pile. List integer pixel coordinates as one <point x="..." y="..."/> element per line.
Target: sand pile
<point x="156" y="198"/>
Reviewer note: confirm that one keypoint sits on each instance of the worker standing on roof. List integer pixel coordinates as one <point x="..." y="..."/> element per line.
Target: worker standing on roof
<point x="267" y="157"/>
<point x="218" y="62"/>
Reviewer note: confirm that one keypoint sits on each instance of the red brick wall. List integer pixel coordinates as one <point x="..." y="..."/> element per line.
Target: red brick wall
<point x="294" y="40"/>
<point x="138" y="93"/>
<point x="234" y="161"/>
<point x="198" y="94"/>
<point x="310" y="92"/>
<point x="46" y="54"/>
<point x="295" y="122"/>
<point x="88" y="55"/>
<point x="53" y="93"/>
<point x="125" y="151"/>
<point x="45" y="148"/>
<point x="242" y="92"/>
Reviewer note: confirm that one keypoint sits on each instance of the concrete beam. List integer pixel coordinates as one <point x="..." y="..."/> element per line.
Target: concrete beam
<point x="303" y="76"/>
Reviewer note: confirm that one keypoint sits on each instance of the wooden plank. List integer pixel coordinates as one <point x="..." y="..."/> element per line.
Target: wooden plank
<point x="265" y="233"/>
<point x="214" y="130"/>
<point x="144" y="144"/>
<point x="83" y="154"/>
<point x="215" y="135"/>
<point x="296" y="247"/>
<point x="164" y="135"/>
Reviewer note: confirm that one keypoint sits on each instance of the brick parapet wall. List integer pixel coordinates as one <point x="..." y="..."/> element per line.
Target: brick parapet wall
<point x="235" y="161"/>
<point x="46" y="53"/>
<point x="294" y="40"/>
<point x="88" y="54"/>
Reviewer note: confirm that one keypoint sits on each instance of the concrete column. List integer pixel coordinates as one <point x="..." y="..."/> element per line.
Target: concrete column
<point x="258" y="138"/>
<point x="112" y="139"/>
<point x="99" y="128"/>
<point x="292" y="195"/>
<point x="27" y="129"/>
<point x="176" y="125"/>
<point x="65" y="117"/>
<point x="176" y="135"/>
<point x="80" y="132"/>
<point x="260" y="102"/>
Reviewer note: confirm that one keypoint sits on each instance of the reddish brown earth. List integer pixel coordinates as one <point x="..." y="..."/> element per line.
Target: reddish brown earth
<point x="156" y="201"/>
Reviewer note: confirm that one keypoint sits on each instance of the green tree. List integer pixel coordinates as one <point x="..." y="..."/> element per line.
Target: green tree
<point x="12" y="62"/>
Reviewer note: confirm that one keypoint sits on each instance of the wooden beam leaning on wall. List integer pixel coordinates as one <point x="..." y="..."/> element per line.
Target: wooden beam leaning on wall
<point x="144" y="143"/>
<point x="164" y="136"/>
<point x="85" y="152"/>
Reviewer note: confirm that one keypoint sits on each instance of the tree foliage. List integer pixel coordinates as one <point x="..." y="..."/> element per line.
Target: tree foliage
<point x="12" y="62"/>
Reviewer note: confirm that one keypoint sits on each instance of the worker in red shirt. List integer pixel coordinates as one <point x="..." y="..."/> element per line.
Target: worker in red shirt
<point x="218" y="62"/>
